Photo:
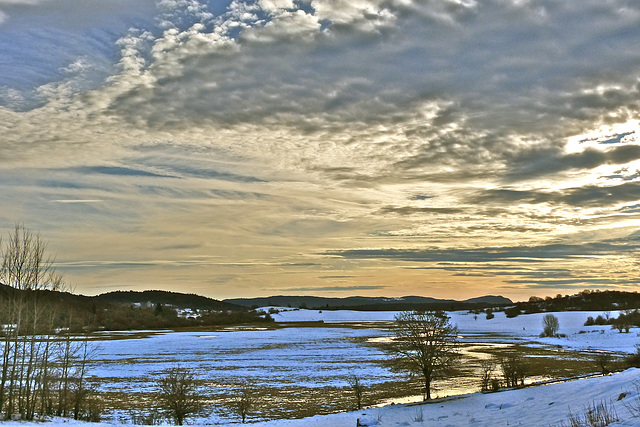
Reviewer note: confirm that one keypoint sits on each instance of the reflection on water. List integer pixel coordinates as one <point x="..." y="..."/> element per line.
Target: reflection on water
<point x="480" y="350"/>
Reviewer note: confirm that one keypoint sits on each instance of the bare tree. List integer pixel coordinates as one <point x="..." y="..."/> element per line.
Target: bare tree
<point x="426" y="343"/>
<point x="32" y="361"/>
<point x="623" y="322"/>
<point x="603" y="361"/>
<point x="244" y="401"/>
<point x="513" y="370"/>
<point x="550" y="325"/>
<point x="355" y="383"/>
<point x="25" y="270"/>
<point x="177" y="394"/>
<point x="487" y="369"/>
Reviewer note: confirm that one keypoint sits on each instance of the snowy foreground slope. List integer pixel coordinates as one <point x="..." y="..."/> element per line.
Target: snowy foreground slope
<point x="536" y="407"/>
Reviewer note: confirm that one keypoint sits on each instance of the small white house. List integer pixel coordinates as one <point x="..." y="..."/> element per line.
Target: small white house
<point x="9" y="327"/>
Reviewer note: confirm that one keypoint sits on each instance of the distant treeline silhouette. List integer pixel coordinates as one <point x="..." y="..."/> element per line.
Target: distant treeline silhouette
<point x="587" y="300"/>
<point x="137" y="310"/>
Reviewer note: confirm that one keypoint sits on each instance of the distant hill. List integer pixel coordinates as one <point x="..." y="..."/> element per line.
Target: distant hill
<point x="371" y="303"/>
<point x="133" y="310"/>
<point x="174" y="299"/>
<point x="490" y="299"/>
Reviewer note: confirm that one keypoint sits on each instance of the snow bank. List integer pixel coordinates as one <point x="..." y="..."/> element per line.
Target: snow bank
<point x="534" y="407"/>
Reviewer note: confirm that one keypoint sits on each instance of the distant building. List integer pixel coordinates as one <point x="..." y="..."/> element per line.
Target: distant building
<point x="9" y="327"/>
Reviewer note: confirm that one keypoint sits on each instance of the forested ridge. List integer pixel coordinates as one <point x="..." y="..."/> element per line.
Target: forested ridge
<point x="133" y="310"/>
<point x="586" y="300"/>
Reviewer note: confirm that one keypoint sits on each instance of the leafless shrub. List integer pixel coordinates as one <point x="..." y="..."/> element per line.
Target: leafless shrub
<point x="595" y="415"/>
<point x="146" y="418"/>
<point x="355" y="383"/>
<point x="603" y="361"/>
<point x="513" y="370"/>
<point x="487" y="369"/>
<point x="633" y="360"/>
<point x="550" y="325"/>
<point x="177" y="394"/>
<point x="418" y="416"/>
<point x="244" y="401"/>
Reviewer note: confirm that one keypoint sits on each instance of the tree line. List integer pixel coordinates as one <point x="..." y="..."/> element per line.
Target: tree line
<point x="586" y="300"/>
<point x="42" y="372"/>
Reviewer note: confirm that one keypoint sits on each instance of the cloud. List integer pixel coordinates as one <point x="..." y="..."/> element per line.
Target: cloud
<point x="22" y="2"/>
<point x="66" y="43"/>
<point x="411" y="210"/>
<point x="335" y="288"/>
<point x="78" y="201"/>
<point x="585" y="196"/>
<point x="531" y="165"/>
<point x="522" y="254"/>
<point x="468" y="79"/>
<point x="544" y="267"/>
<point x="264" y="130"/>
<point x="285" y="27"/>
<point x="117" y="171"/>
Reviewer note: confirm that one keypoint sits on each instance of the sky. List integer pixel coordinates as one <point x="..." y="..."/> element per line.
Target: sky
<point x="444" y="148"/>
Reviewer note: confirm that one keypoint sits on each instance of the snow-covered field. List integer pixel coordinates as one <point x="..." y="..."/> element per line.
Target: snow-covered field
<point x="289" y="365"/>
<point x="308" y="357"/>
<point x="524" y="328"/>
<point x="322" y="356"/>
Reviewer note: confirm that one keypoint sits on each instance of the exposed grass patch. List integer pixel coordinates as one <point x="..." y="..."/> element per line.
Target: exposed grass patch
<point x="550" y="362"/>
